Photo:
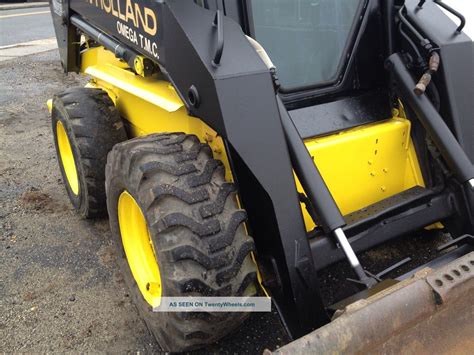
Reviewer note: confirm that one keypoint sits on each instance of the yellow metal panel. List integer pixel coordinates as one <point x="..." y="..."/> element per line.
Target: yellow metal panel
<point x="367" y="164"/>
<point x="150" y="105"/>
<point x="102" y="65"/>
<point x="151" y="89"/>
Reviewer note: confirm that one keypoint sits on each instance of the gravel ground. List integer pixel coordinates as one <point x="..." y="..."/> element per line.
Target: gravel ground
<point x="60" y="289"/>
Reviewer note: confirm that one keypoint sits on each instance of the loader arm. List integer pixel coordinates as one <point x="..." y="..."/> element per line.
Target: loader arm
<point x="237" y="99"/>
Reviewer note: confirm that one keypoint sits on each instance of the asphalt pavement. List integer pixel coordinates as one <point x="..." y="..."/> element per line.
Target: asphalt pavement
<point x="25" y="25"/>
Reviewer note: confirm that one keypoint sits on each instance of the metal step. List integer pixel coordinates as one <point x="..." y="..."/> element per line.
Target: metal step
<point x="388" y="204"/>
<point x="403" y="213"/>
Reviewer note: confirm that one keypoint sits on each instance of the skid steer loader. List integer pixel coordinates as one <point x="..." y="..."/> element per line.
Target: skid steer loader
<point x="242" y="147"/>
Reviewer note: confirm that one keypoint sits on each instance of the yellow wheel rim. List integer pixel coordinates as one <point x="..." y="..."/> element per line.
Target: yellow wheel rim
<point x="139" y="249"/>
<point x="67" y="158"/>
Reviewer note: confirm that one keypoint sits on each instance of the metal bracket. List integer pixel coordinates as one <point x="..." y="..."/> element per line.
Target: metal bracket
<point x="465" y="239"/>
<point x="445" y="280"/>
<point x="449" y="9"/>
<point x="365" y="278"/>
<point x="454" y="12"/>
<point x="220" y="38"/>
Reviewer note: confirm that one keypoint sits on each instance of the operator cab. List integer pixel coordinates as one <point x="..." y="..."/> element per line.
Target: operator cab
<point x="328" y="55"/>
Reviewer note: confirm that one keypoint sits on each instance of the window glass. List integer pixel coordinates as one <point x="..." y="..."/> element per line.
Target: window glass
<point x="304" y="38"/>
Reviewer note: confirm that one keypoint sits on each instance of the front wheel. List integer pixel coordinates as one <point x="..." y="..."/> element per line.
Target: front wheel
<point x="179" y="232"/>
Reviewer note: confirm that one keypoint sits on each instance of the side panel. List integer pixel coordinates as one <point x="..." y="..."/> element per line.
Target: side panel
<point x="367" y="164"/>
<point x="138" y="99"/>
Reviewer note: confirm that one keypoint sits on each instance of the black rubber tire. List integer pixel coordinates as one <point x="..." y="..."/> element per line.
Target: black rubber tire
<point x="93" y="126"/>
<point x="196" y="227"/>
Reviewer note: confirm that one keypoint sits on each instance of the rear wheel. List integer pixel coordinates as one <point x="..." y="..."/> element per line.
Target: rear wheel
<point x="86" y="125"/>
<point x="179" y="232"/>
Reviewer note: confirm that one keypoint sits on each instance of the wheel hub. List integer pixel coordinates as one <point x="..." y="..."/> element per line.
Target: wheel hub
<point x="139" y="249"/>
<point x="67" y="158"/>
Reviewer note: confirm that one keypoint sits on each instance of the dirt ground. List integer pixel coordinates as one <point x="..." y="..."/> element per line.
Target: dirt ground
<point x="60" y="289"/>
